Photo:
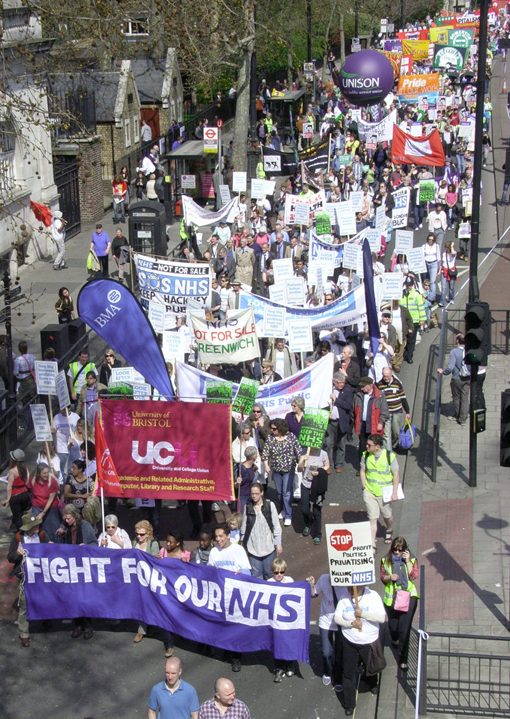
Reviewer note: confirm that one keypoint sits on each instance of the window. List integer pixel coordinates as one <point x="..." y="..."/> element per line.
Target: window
<point x="127" y="133"/>
<point x="130" y="98"/>
<point x="136" y="129"/>
<point x="138" y="25"/>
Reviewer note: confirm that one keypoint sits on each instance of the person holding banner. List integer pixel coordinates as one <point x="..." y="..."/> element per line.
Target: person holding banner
<point x="18" y="496"/>
<point x="145" y="542"/>
<point x="45" y="490"/>
<point x="281" y="455"/>
<point x="114" y="537"/>
<point x="359" y="619"/>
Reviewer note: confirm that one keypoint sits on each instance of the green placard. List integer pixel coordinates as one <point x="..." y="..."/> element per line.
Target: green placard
<point x="313" y="428"/>
<point x="218" y="392"/>
<point x="444" y="20"/>
<point x="246" y="395"/>
<point x="461" y="37"/>
<point x="120" y="388"/>
<point x="449" y="57"/>
<point x="323" y="224"/>
<point x="427" y="191"/>
<point x="345" y="159"/>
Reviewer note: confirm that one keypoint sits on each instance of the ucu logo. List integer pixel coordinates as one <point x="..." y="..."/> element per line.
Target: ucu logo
<point x="164" y="453"/>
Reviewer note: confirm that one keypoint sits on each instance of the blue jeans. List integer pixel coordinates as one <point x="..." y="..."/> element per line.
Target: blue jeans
<point x="261" y="566"/>
<point x="432" y="268"/>
<point x="505" y="190"/>
<point x="328" y="650"/>
<point x="445" y="286"/>
<point x="283" y="484"/>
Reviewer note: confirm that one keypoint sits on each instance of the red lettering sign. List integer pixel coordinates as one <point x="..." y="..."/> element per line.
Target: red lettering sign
<point x="341" y="540"/>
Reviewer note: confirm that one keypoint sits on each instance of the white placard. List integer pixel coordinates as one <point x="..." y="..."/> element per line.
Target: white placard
<point x="319" y="285"/>
<point x="62" y="390"/>
<point x="45" y="376"/>
<point x="346" y="218"/>
<point x="274" y="321"/>
<point x="225" y="194"/>
<point x="283" y="270"/>
<point x="403" y="241"/>
<point x="258" y="188"/>
<point x="173" y="347"/>
<point x="300" y="335"/>
<point x="416" y="261"/>
<point x="269" y="186"/>
<point x="277" y="294"/>
<point x="188" y="182"/>
<point x="350" y="554"/>
<point x="351" y="254"/>
<point x="141" y="391"/>
<point x="327" y="261"/>
<point x="374" y="240"/>
<point x="392" y="285"/>
<point x="157" y="316"/>
<point x="295" y="292"/>
<point x="301" y="214"/>
<point x="239" y="182"/>
<point x="121" y="374"/>
<point x="357" y="201"/>
<point x="41" y="424"/>
<point x="416" y="129"/>
<point x="380" y="218"/>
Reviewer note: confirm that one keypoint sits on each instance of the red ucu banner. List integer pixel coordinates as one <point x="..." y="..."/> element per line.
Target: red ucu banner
<point x="170" y="450"/>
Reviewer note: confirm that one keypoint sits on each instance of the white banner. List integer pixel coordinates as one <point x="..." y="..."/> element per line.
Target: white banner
<point x="316" y="203"/>
<point x="377" y="131"/>
<point x="350" y="554"/>
<point x="232" y="340"/>
<point x="196" y="215"/>
<point x="313" y="384"/>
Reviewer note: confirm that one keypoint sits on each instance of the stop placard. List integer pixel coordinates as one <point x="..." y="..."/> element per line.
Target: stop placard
<point x="341" y="540"/>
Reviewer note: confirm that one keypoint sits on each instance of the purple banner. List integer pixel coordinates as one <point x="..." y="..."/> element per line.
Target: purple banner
<point x="393" y="45"/>
<point x="207" y="605"/>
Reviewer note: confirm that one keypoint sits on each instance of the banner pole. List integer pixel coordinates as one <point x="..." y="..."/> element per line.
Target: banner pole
<point x="102" y="508"/>
<point x="69" y="423"/>
<point x="329" y="154"/>
<point x="86" y="445"/>
<point x="356" y="601"/>
<point x="131" y="269"/>
<point x="52" y="473"/>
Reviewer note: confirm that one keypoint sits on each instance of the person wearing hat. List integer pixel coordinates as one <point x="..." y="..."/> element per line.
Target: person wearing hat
<point x="30" y="532"/>
<point x="18" y="497"/>
<point x="370" y="412"/>
<point x="58" y="235"/>
<point x="413" y="301"/>
<point x="234" y="296"/>
<point x="100" y="244"/>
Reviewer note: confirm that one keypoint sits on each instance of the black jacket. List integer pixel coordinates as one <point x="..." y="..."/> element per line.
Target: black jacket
<point x="250" y="518"/>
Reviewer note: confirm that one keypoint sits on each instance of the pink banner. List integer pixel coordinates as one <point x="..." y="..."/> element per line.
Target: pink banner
<point x="170" y="450"/>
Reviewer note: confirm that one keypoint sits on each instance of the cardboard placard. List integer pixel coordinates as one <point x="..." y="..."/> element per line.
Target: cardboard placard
<point x="404" y="241"/>
<point x="313" y="427"/>
<point x="41" y="423"/>
<point x="392" y="285"/>
<point x="274" y="321"/>
<point x="350" y="554"/>
<point x="62" y="390"/>
<point x="45" y="377"/>
<point x="239" y="182"/>
<point x="283" y="270"/>
<point x="300" y="335"/>
<point x="246" y="396"/>
<point x="218" y="392"/>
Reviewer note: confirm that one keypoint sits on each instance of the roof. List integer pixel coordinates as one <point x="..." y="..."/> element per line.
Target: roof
<point x="104" y="86"/>
<point x="149" y="74"/>
<point x="190" y="150"/>
<point x="289" y="96"/>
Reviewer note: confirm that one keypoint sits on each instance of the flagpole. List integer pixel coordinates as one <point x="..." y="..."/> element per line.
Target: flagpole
<point x="102" y="508"/>
<point x="86" y="443"/>
<point x="329" y="152"/>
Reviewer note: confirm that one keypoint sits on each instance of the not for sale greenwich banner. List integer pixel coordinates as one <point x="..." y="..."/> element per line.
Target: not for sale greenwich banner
<point x="170" y="450"/>
<point x="232" y="340"/>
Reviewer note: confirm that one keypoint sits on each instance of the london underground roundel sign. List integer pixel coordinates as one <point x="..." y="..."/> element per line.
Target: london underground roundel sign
<point x="366" y="77"/>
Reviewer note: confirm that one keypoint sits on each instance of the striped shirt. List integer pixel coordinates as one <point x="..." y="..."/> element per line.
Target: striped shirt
<point x="395" y="395"/>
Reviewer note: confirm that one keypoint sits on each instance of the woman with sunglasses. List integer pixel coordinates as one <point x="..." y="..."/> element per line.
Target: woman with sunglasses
<point x="281" y="455"/>
<point x="110" y="361"/>
<point x="114" y="537"/>
<point x="399" y="571"/>
<point x="145" y="542"/>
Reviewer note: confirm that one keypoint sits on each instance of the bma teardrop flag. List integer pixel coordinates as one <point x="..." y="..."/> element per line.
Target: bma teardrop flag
<point x="107" y="477"/>
<point x="368" y="275"/>
<point x="418" y="150"/>
<point x="113" y="312"/>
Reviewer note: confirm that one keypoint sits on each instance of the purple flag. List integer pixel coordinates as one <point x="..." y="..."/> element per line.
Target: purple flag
<point x="372" y="317"/>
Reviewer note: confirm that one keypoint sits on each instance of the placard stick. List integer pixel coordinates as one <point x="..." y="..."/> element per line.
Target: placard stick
<point x="272" y="350"/>
<point x="356" y="602"/>
<point x="302" y="361"/>
<point x="102" y="508"/>
<point x="329" y="153"/>
<point x="50" y="406"/>
<point x="131" y="269"/>
<point x="49" y="460"/>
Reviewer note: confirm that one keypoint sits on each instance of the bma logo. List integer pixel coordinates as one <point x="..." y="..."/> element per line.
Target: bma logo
<point x="114" y="296"/>
<point x="161" y="453"/>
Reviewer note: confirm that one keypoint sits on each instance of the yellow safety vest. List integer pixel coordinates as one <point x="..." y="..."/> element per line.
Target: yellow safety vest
<point x="416" y="306"/>
<point x="378" y="472"/>
<point x="260" y="171"/>
<point x="389" y="589"/>
<point x="75" y="368"/>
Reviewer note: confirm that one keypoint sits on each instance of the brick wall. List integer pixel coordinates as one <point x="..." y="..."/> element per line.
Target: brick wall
<point x="90" y="178"/>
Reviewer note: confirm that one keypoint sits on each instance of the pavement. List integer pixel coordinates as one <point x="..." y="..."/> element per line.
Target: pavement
<point x="460" y="534"/>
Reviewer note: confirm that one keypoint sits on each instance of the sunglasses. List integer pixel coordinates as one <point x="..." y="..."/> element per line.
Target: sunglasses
<point x="141" y="534"/>
<point x="109" y="355"/>
<point x="257" y="411"/>
<point x="273" y="429"/>
<point x="279" y="571"/>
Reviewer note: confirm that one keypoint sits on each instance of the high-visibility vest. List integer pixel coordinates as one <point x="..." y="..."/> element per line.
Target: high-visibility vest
<point x="416" y="306"/>
<point x="378" y="472"/>
<point x="389" y="589"/>
<point x="183" y="232"/>
<point x="260" y="171"/>
<point x="269" y="124"/>
<point x="75" y="367"/>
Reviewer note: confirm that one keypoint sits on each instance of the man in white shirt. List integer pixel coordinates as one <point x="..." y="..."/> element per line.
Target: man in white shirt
<point x="62" y="427"/>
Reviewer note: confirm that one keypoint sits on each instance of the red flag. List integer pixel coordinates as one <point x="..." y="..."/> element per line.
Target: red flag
<point x="107" y="476"/>
<point x="407" y="149"/>
<point x="42" y="213"/>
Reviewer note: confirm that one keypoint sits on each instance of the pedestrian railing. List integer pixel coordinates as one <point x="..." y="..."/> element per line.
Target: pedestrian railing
<point x="437" y="403"/>
<point x="500" y="334"/>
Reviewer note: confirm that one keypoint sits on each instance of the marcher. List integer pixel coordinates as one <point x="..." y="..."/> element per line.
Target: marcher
<point x="371" y="412"/>
<point x="261" y="533"/>
<point x="224" y="703"/>
<point x="18" y="497"/>
<point x="120" y="252"/>
<point x="399" y="571"/>
<point x="114" y="537"/>
<point x="331" y="645"/>
<point x="77" y="372"/>
<point x="379" y="469"/>
<point x="145" y="542"/>
<point x="314" y="486"/>
<point x="414" y="303"/>
<point x="280" y="455"/>
<point x="174" y="698"/>
<point x="392" y="388"/>
<point x="24" y="372"/>
<point x="44" y="489"/>
<point x="100" y="244"/>
<point x="459" y="384"/>
<point x="339" y="425"/>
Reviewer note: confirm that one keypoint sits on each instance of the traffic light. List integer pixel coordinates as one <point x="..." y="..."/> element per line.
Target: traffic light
<point x="478" y="333"/>
<point x="504" y="438"/>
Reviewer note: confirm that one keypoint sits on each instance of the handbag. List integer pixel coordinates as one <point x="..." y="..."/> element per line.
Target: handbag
<point x="407" y="435"/>
<point x="402" y="600"/>
<point x="375" y="661"/>
<point x="452" y="272"/>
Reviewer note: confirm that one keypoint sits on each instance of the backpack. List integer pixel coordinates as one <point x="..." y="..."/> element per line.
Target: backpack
<point x="465" y="371"/>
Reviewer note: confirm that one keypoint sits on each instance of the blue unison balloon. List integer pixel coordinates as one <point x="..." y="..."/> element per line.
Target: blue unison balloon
<point x="366" y="77"/>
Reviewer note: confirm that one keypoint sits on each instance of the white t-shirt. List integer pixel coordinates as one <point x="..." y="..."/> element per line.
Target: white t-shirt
<point x="121" y="534"/>
<point x="370" y="601"/>
<point x="279" y="363"/>
<point x="232" y="558"/>
<point x="62" y="434"/>
<point x="328" y="603"/>
<point x="285" y="580"/>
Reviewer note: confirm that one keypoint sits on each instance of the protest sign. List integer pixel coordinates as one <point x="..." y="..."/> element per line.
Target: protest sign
<point x="346" y="218"/>
<point x="295" y="292"/>
<point x="239" y="182"/>
<point x="318" y="246"/>
<point x="416" y="260"/>
<point x="225" y="194"/>
<point x="380" y="218"/>
<point x="316" y="203"/>
<point x="173" y="346"/>
<point x="403" y="241"/>
<point x="283" y="270"/>
<point x="257" y="188"/>
<point x="378" y="131"/>
<point x="121" y="374"/>
<point x="41" y="423"/>
<point x="141" y="391"/>
<point x="427" y="191"/>
<point x="45" y="376"/>
<point x="313" y="384"/>
<point x="218" y="392"/>
<point x="350" y="554"/>
<point x="400" y="212"/>
<point x="300" y="335"/>
<point x="157" y="316"/>
<point x="274" y="321"/>
<point x="323" y="223"/>
<point x="313" y="427"/>
<point x="277" y="294"/>
<point x="356" y="199"/>
<point x="301" y="213"/>
<point x="232" y="340"/>
<point x="392" y="285"/>
<point x="171" y="283"/>
<point x="246" y="395"/>
<point x="374" y="240"/>
<point x="67" y="581"/>
<point x="351" y="255"/>
<point x="62" y="390"/>
<point x="195" y="214"/>
<point x="170" y="450"/>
